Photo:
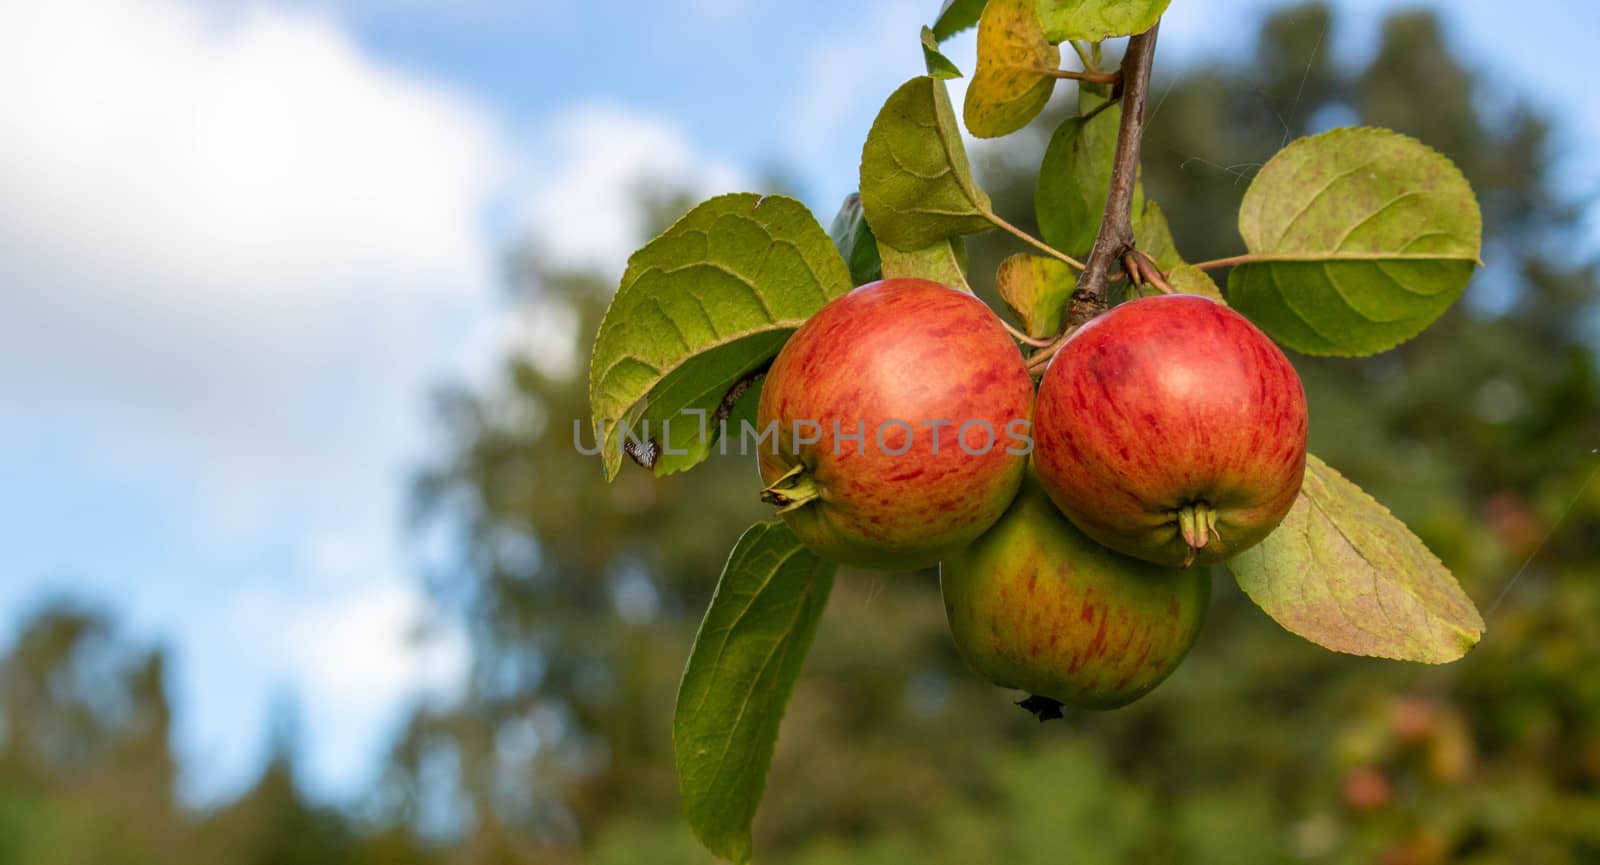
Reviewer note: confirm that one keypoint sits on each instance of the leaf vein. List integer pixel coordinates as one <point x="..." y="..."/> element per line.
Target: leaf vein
<point x="1317" y="196"/>
<point x="1357" y="224"/>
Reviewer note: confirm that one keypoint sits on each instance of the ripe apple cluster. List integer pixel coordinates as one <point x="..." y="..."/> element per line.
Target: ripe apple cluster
<point x="1167" y="432"/>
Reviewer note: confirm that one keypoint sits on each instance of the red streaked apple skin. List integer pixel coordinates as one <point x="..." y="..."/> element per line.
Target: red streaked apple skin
<point x="1036" y="605"/>
<point x="908" y="350"/>
<point x="1163" y="403"/>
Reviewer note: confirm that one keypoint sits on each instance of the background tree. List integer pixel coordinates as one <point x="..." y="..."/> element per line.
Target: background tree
<point x="86" y="774"/>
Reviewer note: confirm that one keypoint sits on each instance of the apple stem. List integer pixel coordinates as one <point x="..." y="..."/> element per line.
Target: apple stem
<point x="794" y="490"/>
<point x="1198" y="523"/>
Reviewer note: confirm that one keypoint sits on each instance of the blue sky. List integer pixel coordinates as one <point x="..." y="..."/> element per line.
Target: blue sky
<point x="240" y="239"/>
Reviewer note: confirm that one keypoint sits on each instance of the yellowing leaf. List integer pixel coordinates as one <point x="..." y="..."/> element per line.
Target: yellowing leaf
<point x="1037" y="290"/>
<point x="1342" y="572"/>
<point x="1012" y="82"/>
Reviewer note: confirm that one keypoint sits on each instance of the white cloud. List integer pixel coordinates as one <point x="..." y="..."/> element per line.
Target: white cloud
<point x="589" y="165"/>
<point x="235" y="252"/>
<point x="577" y="206"/>
<point x="259" y="153"/>
<point x="215" y="228"/>
<point x="373" y="648"/>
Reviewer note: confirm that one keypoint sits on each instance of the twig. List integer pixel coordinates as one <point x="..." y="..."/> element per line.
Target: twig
<point x="1115" y="237"/>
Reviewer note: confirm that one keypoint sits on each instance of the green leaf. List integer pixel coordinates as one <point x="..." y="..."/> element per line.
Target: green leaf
<point x="1188" y="279"/>
<point x="939" y="66"/>
<point x="1343" y="573"/>
<point x="1012" y="82"/>
<point x="1153" y="237"/>
<point x="1037" y="290"/>
<point x="1094" y="20"/>
<point x="853" y="238"/>
<point x="956" y="16"/>
<point x="681" y="414"/>
<point x="916" y="184"/>
<point x="702" y="307"/>
<point x="1152" y="234"/>
<point x="940" y="262"/>
<point x="741" y="672"/>
<point x="1359" y="237"/>
<point x="1069" y="196"/>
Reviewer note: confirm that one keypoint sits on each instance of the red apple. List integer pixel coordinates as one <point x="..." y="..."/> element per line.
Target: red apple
<point x="901" y="414"/>
<point x="1172" y="430"/>
<point x="1036" y="605"/>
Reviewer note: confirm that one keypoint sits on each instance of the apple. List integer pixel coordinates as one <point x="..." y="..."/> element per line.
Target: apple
<point x="1035" y="605"/>
<point x="901" y="414"/>
<point x="1172" y="430"/>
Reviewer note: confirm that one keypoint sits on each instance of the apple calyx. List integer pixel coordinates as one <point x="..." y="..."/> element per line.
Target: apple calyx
<point x="1198" y="523"/>
<point x="1042" y="708"/>
<point x="791" y="491"/>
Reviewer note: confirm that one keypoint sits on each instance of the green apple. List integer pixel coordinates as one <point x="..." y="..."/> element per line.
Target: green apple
<point x="1036" y="605"/>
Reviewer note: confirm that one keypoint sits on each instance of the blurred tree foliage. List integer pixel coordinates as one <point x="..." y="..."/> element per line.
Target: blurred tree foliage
<point x="88" y="777"/>
<point x="582" y="597"/>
